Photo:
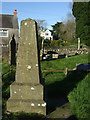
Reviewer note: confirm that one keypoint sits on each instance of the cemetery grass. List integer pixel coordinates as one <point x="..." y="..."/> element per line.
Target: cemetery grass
<point x="57" y="85"/>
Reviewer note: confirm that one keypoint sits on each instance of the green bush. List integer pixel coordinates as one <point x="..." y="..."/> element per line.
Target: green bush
<point x="79" y="99"/>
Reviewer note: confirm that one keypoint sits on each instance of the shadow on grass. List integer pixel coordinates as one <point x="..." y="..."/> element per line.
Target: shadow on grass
<point x="62" y="88"/>
<point x="23" y="116"/>
<point x="71" y="118"/>
<point x="7" y="80"/>
<point x="32" y="116"/>
<point x="59" y="89"/>
<point x="56" y="93"/>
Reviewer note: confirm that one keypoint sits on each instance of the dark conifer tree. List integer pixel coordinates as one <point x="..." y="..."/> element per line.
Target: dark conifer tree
<point x="81" y="11"/>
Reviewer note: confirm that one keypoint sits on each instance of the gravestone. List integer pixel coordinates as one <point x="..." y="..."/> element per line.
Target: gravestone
<point x="83" y="67"/>
<point x="78" y="43"/>
<point x="26" y="93"/>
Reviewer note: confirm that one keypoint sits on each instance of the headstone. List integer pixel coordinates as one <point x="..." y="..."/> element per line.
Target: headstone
<point x="66" y="71"/>
<point x="42" y="51"/>
<point x="78" y="43"/>
<point x="26" y="93"/>
<point x="83" y="67"/>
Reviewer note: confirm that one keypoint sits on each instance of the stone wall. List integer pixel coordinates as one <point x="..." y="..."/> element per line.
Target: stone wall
<point x="69" y="50"/>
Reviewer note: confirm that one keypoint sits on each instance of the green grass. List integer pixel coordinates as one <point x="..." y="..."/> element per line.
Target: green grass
<point x="5" y="67"/>
<point x="61" y="64"/>
<point x="56" y="83"/>
<point x="79" y="99"/>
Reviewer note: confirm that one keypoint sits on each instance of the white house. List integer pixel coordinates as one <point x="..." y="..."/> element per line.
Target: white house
<point x="46" y="35"/>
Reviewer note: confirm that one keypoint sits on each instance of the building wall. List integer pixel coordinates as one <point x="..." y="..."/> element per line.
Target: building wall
<point x="46" y="35"/>
<point x="5" y="43"/>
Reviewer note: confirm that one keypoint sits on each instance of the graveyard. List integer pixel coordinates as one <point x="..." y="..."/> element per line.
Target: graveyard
<point x="45" y="77"/>
<point x="57" y="87"/>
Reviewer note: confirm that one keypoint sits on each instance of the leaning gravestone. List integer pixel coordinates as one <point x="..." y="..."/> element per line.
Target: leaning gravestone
<point x="26" y="93"/>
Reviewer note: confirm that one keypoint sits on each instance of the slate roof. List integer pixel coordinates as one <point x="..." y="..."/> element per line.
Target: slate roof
<point x="8" y="21"/>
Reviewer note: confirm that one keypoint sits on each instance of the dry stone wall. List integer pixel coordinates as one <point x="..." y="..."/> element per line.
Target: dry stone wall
<point x="69" y="50"/>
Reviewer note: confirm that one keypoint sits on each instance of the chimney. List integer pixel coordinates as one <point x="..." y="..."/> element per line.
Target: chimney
<point x="15" y="12"/>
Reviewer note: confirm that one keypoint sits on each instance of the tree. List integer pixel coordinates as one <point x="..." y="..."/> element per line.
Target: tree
<point x="39" y="42"/>
<point x="56" y="30"/>
<point x="68" y="31"/>
<point x="81" y="11"/>
<point x="65" y="32"/>
<point x="41" y="25"/>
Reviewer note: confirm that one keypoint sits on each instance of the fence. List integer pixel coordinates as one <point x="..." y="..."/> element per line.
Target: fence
<point x="65" y="71"/>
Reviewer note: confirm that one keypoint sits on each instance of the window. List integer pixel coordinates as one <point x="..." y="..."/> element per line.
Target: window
<point x="3" y="33"/>
<point x="46" y="34"/>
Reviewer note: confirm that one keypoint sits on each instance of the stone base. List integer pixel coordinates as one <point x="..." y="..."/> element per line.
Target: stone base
<point x="26" y="98"/>
<point x="28" y="106"/>
<point x="26" y="91"/>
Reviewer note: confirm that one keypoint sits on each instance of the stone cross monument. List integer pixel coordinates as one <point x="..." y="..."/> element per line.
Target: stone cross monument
<point x="26" y="93"/>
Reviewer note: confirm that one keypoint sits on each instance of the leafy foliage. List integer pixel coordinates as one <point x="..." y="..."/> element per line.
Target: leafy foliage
<point x="81" y="10"/>
<point x="65" y="32"/>
<point x="56" y="30"/>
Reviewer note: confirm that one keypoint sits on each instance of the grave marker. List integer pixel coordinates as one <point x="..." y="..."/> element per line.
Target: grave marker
<point x="26" y="93"/>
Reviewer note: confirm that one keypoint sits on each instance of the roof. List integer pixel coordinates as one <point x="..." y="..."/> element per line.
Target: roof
<point x="9" y="21"/>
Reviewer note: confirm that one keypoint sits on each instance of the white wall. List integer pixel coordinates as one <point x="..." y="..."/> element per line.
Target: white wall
<point x="46" y="35"/>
